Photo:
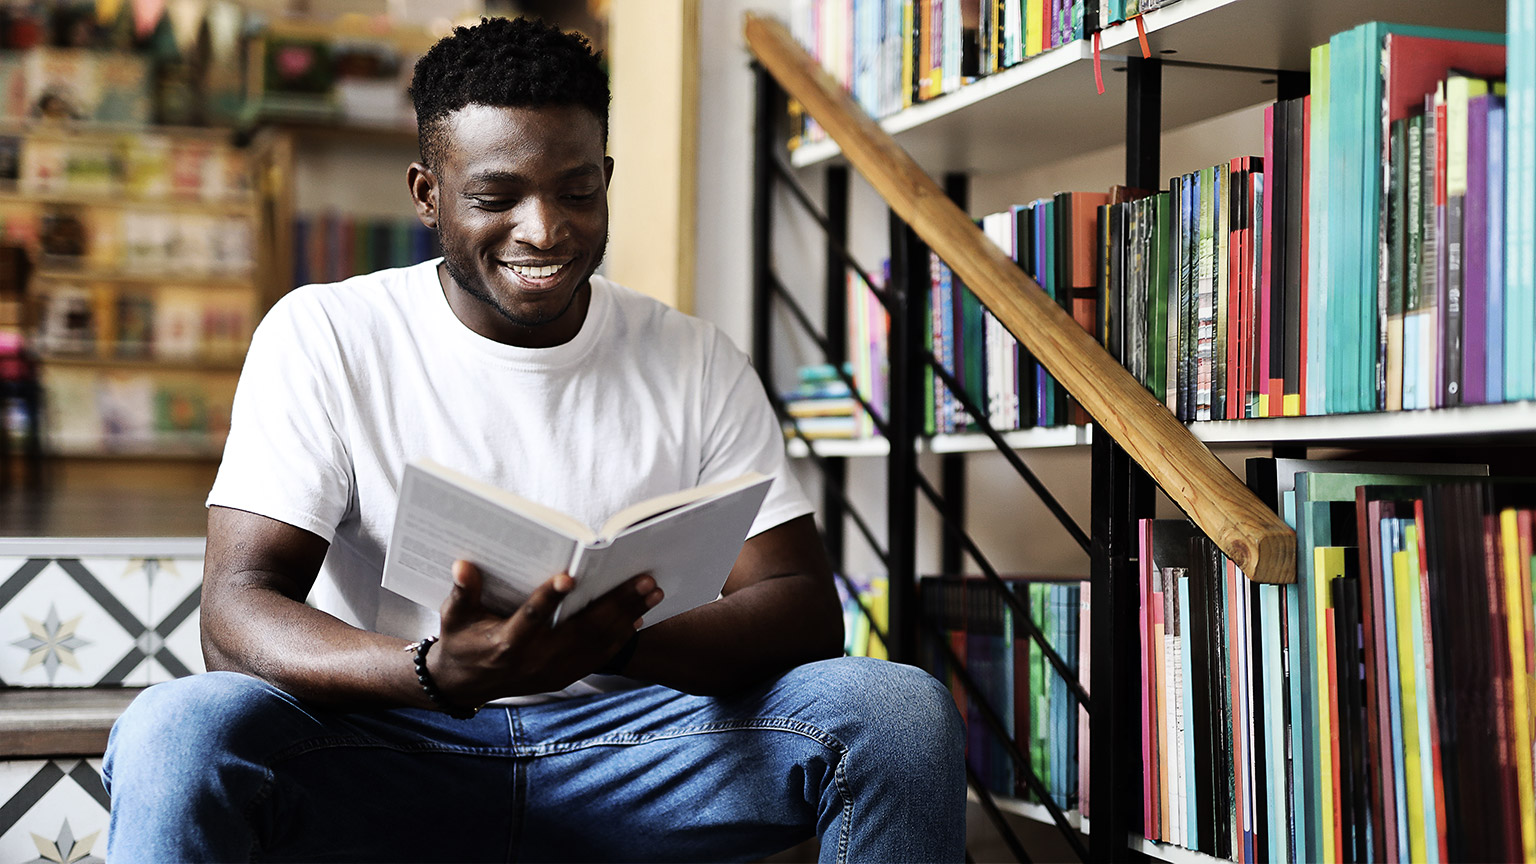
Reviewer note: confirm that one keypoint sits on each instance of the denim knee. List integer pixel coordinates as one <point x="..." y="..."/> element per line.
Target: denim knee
<point x="181" y="727"/>
<point x="887" y="706"/>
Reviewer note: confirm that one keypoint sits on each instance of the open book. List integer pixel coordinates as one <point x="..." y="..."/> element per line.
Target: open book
<point x="688" y="541"/>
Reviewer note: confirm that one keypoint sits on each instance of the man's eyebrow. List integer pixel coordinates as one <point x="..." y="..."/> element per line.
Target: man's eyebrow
<point x="577" y="173"/>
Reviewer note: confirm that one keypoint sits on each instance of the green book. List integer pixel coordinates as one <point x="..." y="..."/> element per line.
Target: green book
<point x="1413" y="250"/>
<point x="1318" y="242"/>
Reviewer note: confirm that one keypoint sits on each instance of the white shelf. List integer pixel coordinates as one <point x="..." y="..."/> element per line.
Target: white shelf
<point x="839" y="447"/>
<point x="999" y="124"/>
<point x="1172" y="854"/>
<point x="1037" y="812"/>
<point x="1509" y="420"/>
<point x="1019" y="439"/>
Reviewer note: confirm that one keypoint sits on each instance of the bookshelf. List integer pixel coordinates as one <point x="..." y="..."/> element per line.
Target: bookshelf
<point x="1045" y="111"/>
<point x="1046" y="108"/>
<point x="146" y="279"/>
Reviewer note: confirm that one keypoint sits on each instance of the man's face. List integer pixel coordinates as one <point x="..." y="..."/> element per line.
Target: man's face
<point x="520" y="204"/>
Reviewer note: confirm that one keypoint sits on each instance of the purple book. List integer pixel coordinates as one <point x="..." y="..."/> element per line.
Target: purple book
<point x="1474" y="269"/>
<point x="1495" y="367"/>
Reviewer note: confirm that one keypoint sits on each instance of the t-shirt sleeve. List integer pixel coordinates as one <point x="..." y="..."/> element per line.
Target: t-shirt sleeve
<point x="745" y="436"/>
<point x="286" y="457"/>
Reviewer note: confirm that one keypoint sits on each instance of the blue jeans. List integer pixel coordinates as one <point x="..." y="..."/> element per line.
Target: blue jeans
<point x="865" y="754"/>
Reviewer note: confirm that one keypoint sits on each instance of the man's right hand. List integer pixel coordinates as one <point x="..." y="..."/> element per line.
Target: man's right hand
<point x="482" y="656"/>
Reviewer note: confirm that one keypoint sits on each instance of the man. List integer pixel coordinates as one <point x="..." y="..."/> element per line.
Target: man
<point x="336" y="730"/>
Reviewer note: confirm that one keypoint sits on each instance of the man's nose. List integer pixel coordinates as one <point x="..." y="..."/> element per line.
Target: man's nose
<point x="540" y="224"/>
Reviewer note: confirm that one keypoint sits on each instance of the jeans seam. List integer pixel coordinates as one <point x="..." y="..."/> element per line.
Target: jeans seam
<point x="519" y="785"/>
<point x="766" y="724"/>
<point x="840" y="777"/>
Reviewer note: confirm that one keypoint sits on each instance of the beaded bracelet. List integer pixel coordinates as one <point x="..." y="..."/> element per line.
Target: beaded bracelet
<point x="419" y="650"/>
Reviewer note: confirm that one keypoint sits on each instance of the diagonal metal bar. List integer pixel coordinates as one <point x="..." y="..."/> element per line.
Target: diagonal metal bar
<point x="994" y="724"/>
<point x="979" y="418"/>
<point x="811" y="331"/>
<point x="853" y="592"/>
<point x="821" y="462"/>
<point x="995" y="816"/>
<point x="1020" y="612"/>
<point x="792" y="183"/>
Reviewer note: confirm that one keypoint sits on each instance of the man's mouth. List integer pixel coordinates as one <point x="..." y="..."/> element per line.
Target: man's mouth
<point x="540" y="275"/>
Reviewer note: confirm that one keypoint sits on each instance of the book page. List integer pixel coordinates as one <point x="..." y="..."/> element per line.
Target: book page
<point x="689" y="551"/>
<point x="635" y="514"/>
<point x="439" y="521"/>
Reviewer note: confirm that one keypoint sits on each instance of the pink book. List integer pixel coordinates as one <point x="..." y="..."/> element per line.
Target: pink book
<point x="1085" y="675"/>
<point x="1148" y="809"/>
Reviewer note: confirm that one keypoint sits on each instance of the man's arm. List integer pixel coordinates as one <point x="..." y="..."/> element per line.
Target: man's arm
<point x="780" y="610"/>
<point x="258" y="571"/>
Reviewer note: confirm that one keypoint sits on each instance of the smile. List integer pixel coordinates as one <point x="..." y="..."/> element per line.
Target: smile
<point x="535" y="272"/>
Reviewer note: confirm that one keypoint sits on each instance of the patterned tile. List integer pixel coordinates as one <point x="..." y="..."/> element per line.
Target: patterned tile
<point x="53" y="810"/>
<point x="59" y="627"/>
<point x="72" y="622"/>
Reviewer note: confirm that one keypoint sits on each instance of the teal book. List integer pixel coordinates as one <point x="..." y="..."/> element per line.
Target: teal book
<point x="1273" y="696"/>
<point x="1391" y="542"/>
<point x="1520" y="205"/>
<point x="1354" y="149"/>
<point x="1296" y="793"/>
<point x="973" y="342"/>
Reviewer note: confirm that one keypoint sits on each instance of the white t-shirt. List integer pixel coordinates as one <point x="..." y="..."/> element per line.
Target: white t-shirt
<point x="346" y="383"/>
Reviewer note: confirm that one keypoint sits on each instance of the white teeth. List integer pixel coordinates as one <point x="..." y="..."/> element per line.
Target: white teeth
<point x="536" y="272"/>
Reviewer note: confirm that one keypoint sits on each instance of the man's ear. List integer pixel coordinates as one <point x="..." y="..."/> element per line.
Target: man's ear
<point x="423" y="186"/>
<point x="607" y="171"/>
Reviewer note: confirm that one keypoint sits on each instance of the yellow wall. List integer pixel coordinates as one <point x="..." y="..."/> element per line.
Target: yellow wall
<point x="653" y="56"/>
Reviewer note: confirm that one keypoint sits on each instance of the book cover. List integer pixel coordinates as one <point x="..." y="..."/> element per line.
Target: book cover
<point x="1494" y="327"/>
<point x="1318" y="229"/>
<point x="1474" y="291"/>
<point x="688" y="541"/>
<point x="1292" y="248"/>
<point x="1412" y="65"/>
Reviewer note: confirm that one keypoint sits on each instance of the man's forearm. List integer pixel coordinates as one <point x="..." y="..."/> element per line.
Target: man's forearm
<point x="305" y="652"/>
<point x="741" y="639"/>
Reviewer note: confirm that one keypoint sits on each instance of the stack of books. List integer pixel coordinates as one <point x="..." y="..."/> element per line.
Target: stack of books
<point x="822" y="406"/>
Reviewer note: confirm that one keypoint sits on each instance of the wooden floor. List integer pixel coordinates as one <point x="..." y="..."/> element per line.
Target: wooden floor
<point x="98" y="498"/>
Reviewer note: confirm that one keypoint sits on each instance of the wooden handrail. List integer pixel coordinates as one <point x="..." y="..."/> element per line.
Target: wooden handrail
<point x="1248" y="532"/>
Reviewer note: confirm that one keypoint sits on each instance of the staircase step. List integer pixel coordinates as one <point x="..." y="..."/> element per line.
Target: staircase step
<point x="60" y="721"/>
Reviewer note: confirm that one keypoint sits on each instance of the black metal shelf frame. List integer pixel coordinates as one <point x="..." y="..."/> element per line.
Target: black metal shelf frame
<point x="1121" y="492"/>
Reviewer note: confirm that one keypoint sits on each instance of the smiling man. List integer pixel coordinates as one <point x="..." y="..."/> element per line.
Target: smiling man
<point x="360" y="726"/>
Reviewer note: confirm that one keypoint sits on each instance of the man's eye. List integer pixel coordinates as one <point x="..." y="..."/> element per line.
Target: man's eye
<point x="491" y="202"/>
<point x="582" y="196"/>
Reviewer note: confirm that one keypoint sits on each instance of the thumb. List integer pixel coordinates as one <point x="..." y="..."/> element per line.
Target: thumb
<point x="464" y="598"/>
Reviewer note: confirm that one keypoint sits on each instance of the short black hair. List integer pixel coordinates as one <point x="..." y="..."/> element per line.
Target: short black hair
<point x="505" y="62"/>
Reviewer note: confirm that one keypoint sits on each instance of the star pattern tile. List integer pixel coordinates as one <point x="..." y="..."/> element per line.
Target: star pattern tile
<point x="51" y="642"/>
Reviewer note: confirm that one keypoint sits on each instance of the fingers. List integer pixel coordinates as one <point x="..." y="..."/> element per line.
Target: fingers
<point x="539" y="608"/>
<point x="622" y="609"/>
<point x="464" y="598"/>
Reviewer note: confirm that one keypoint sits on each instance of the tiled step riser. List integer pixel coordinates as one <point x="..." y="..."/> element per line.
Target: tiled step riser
<point x="84" y="614"/>
<point x="98" y="620"/>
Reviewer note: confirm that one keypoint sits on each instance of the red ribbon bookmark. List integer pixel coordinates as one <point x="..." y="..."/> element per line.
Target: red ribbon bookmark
<point x="1141" y="34"/>
<point x="1098" y="72"/>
